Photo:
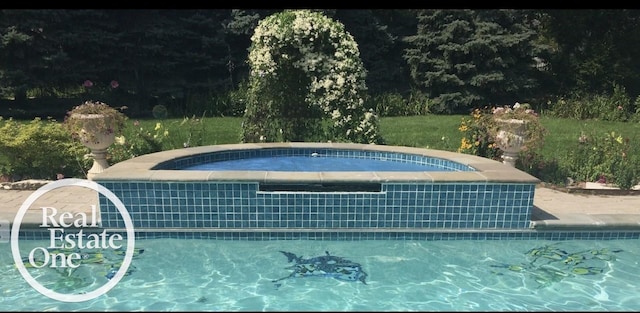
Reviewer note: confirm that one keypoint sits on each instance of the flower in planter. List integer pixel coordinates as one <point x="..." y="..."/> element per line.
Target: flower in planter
<point x="520" y="120"/>
<point x="518" y="111"/>
<point x="92" y="120"/>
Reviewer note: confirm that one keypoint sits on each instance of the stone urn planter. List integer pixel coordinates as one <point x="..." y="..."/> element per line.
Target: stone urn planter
<point x="95" y="125"/>
<point x="515" y="128"/>
<point x="96" y="139"/>
<point x="510" y="138"/>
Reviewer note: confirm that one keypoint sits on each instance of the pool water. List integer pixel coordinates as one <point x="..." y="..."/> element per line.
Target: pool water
<point x="313" y="164"/>
<point x="460" y="275"/>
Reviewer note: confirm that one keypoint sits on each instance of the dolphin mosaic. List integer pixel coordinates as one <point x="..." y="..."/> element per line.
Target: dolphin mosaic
<point x="324" y="266"/>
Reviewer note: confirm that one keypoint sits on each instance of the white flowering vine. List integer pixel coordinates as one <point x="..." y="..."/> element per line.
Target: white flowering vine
<point x="307" y="82"/>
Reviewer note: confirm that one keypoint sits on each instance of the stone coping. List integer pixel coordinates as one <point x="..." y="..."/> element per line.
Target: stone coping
<point x="141" y="168"/>
<point x="29" y="184"/>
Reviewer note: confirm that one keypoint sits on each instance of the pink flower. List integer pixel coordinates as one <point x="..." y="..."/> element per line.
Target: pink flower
<point x="602" y="180"/>
<point x="59" y="176"/>
<point x="87" y="83"/>
<point x="114" y="84"/>
<point x="619" y="107"/>
<point x="136" y="123"/>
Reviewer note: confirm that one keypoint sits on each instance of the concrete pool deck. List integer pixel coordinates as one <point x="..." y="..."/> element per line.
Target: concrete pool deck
<point x="553" y="209"/>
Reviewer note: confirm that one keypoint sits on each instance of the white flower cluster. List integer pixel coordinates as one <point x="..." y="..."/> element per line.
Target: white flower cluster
<point x="300" y="39"/>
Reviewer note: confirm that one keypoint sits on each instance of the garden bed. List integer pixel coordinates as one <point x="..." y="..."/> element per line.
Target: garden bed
<point x="593" y="189"/>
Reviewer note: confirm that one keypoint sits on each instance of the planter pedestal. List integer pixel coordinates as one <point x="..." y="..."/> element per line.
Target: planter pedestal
<point x="510" y="155"/>
<point x="99" y="154"/>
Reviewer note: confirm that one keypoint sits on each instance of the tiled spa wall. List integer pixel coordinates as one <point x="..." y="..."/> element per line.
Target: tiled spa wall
<point x="247" y="205"/>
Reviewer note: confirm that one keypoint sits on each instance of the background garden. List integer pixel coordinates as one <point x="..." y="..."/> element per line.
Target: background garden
<point x="184" y="78"/>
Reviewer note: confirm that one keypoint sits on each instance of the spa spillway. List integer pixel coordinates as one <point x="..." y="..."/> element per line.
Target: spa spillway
<point x="417" y="190"/>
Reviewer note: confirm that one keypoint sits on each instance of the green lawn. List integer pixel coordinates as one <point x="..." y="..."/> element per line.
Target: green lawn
<point x="563" y="133"/>
<point x="433" y="131"/>
<point x="415" y="131"/>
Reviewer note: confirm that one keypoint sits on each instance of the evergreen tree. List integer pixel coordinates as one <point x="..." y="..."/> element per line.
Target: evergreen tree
<point x="471" y="58"/>
<point x="31" y="56"/>
<point x="378" y="34"/>
<point x="166" y="55"/>
<point x="594" y="49"/>
<point x="238" y="29"/>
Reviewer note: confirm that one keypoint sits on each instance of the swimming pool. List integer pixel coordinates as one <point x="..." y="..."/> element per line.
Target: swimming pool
<point x="403" y="275"/>
<point x="465" y="193"/>
<point x="458" y="238"/>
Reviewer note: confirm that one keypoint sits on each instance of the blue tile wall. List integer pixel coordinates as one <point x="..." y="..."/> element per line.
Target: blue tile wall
<point x="233" y="205"/>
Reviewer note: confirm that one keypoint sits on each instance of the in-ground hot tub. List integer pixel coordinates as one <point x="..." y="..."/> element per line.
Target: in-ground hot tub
<point x="421" y="190"/>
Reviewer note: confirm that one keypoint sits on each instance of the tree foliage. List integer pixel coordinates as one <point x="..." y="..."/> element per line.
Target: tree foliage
<point x="379" y="36"/>
<point x="156" y="56"/>
<point x="460" y="59"/>
<point x="470" y="58"/>
<point x="594" y="49"/>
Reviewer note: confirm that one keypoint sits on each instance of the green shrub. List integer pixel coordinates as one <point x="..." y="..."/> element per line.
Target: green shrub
<point x="419" y="103"/>
<point x="235" y="101"/>
<point x="189" y="132"/>
<point x="606" y="158"/>
<point x="635" y="117"/>
<point x="139" y="140"/>
<point x="626" y="172"/>
<point x="614" y="107"/>
<point x="476" y="136"/>
<point x="547" y="170"/>
<point x="394" y="104"/>
<point x="135" y="141"/>
<point x="388" y="104"/>
<point x="228" y="103"/>
<point x="40" y="149"/>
